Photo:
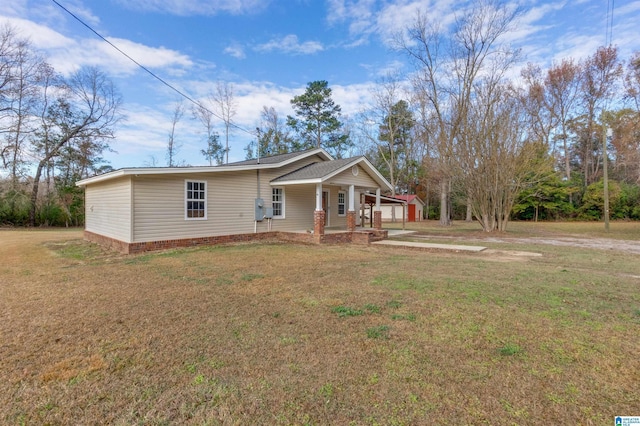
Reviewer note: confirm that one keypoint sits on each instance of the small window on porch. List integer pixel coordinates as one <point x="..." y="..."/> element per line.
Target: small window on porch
<point x="342" y="203"/>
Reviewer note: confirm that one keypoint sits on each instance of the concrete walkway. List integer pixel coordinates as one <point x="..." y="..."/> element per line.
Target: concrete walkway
<point x="425" y="246"/>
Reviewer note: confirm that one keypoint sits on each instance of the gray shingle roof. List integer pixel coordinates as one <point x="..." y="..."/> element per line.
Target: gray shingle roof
<point x="273" y="159"/>
<point x="315" y="170"/>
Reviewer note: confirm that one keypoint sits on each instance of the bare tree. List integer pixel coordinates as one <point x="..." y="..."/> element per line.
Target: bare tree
<point x="225" y="105"/>
<point x="538" y="105"/>
<point x="626" y="127"/>
<point x="496" y="159"/>
<point x="632" y="81"/>
<point x="173" y="146"/>
<point x="449" y="66"/>
<point x="214" y="150"/>
<point x="274" y="136"/>
<point x="562" y="85"/>
<point x="387" y="128"/>
<point x="21" y="70"/>
<point x="601" y="73"/>
<point x="85" y="107"/>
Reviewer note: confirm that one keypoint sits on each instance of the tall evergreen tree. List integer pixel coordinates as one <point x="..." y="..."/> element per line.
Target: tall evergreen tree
<point x="318" y="120"/>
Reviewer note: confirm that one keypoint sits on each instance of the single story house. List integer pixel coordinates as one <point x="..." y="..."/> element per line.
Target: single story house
<point x="413" y="209"/>
<point x="295" y="196"/>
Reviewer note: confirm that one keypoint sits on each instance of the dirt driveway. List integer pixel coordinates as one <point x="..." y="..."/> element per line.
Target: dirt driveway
<point x="627" y="246"/>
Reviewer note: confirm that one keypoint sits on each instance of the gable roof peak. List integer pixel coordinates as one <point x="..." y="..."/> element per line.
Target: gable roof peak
<point x="280" y="158"/>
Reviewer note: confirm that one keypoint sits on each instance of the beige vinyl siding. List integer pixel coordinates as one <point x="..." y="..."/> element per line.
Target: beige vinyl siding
<point x="300" y="202"/>
<point x="108" y="209"/>
<point x="363" y="180"/>
<point x="334" y="219"/>
<point x="160" y="206"/>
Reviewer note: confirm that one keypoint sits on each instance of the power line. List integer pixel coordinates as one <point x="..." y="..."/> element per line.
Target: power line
<point x="160" y="79"/>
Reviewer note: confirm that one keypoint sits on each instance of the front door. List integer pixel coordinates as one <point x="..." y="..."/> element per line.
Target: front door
<point x="325" y="207"/>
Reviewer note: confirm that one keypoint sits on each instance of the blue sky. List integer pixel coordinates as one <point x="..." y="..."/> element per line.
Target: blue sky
<point x="269" y="50"/>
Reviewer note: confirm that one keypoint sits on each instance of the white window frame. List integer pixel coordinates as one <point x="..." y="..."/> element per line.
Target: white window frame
<point x="343" y="203"/>
<point x="282" y="202"/>
<point x="192" y="199"/>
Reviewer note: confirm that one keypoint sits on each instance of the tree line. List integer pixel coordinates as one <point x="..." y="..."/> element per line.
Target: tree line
<point x="53" y="131"/>
<point x="478" y="141"/>
<point x="467" y="132"/>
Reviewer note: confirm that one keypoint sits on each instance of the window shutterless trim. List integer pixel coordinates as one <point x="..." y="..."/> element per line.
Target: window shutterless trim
<point x="278" y="204"/>
<point x="342" y="204"/>
<point x="195" y="200"/>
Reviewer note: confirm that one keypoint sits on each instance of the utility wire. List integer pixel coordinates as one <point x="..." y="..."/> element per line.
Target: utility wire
<point x="160" y="79"/>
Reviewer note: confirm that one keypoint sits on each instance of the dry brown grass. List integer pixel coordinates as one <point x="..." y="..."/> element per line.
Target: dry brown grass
<point x="250" y="334"/>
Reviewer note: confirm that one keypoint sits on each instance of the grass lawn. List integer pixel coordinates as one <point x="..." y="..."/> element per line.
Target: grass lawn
<point x="293" y="334"/>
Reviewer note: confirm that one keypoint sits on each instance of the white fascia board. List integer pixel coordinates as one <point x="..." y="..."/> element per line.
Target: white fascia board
<point x="197" y="169"/>
<point x="317" y="151"/>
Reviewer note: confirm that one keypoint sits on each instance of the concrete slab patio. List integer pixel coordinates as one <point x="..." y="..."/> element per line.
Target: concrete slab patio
<point x="425" y="246"/>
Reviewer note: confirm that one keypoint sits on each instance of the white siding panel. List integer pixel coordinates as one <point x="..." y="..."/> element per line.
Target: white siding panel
<point x="108" y="209"/>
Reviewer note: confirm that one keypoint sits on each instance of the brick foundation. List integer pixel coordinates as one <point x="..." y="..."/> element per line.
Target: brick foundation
<point x="351" y="221"/>
<point x="377" y="219"/>
<point x="318" y="222"/>
<point x="355" y="237"/>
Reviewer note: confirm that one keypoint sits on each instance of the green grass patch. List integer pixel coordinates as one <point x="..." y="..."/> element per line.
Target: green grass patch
<point x="251" y="277"/>
<point x="510" y="349"/>
<point x="378" y="332"/>
<point x="403" y="317"/>
<point x="346" y="311"/>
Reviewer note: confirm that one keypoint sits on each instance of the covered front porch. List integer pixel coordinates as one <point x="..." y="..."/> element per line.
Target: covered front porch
<point x="339" y="189"/>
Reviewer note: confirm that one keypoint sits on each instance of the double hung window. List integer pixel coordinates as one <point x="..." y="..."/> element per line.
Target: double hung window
<point x="277" y="202"/>
<point x="195" y="200"/>
<point x="342" y="203"/>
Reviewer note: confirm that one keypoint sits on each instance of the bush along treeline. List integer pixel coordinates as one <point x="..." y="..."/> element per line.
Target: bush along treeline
<point x="460" y="131"/>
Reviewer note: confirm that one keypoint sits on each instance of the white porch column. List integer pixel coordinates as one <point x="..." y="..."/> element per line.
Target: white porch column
<point x="352" y="196"/>
<point x="318" y="196"/>
<point x="319" y="218"/>
<point x="378" y="199"/>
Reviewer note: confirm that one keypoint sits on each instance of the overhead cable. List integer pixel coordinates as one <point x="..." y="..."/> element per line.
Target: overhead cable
<point x="160" y="79"/>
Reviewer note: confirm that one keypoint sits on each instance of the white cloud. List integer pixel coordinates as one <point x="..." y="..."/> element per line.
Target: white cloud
<point x="156" y="57"/>
<point x="365" y="18"/>
<point x="67" y="55"/>
<point x="41" y="37"/>
<point x="13" y="8"/>
<point x="353" y="98"/>
<point x="235" y="50"/>
<point x="359" y="14"/>
<point x="78" y="9"/>
<point x="290" y="44"/>
<point x="198" y="7"/>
